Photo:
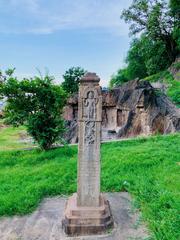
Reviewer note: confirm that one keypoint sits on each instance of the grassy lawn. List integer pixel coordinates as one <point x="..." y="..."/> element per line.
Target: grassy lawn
<point x="147" y="168"/>
<point x="12" y="138"/>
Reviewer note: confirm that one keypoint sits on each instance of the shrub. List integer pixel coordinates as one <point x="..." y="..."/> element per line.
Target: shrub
<point x="37" y="103"/>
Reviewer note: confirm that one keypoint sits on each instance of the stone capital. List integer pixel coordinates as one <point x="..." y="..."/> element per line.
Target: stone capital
<point x="90" y="77"/>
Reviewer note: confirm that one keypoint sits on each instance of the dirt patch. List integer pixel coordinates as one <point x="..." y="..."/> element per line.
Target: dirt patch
<point x="2" y="126"/>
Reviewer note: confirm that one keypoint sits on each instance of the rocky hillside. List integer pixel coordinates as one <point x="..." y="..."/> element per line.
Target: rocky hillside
<point x="135" y="108"/>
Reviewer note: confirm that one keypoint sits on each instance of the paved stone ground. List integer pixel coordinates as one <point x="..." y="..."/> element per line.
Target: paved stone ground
<point x="45" y="222"/>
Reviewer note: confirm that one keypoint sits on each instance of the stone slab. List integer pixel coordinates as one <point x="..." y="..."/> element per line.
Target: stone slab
<point x="45" y="222"/>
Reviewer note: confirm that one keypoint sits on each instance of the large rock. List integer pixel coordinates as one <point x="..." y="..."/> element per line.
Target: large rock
<point x="135" y="108"/>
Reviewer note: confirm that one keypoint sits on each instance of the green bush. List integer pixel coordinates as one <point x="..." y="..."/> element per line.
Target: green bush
<point x="36" y="103"/>
<point x="119" y="78"/>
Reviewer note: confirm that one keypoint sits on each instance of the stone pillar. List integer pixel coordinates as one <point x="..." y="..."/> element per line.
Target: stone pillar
<point x="87" y="212"/>
<point x="89" y="117"/>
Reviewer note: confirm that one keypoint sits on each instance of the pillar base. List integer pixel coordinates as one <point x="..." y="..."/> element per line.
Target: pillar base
<point x="86" y="220"/>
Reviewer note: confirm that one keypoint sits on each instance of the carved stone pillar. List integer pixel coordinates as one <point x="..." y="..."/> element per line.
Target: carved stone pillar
<point x="87" y="212"/>
<point x="89" y="117"/>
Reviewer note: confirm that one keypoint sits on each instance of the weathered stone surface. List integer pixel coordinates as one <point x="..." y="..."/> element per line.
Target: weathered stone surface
<point x="87" y="220"/>
<point x="131" y="110"/>
<point x="45" y="222"/>
<point x="89" y="118"/>
<point x="87" y="212"/>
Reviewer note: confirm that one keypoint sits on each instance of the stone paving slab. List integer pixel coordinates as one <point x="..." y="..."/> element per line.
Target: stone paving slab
<point x="45" y="222"/>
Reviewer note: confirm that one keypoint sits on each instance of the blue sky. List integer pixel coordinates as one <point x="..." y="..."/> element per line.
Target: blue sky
<point x="58" y="34"/>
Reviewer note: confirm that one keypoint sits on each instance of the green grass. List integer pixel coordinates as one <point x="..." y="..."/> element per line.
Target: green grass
<point x="174" y="92"/>
<point x="166" y="77"/>
<point x="10" y="138"/>
<point x="163" y="77"/>
<point x="147" y="168"/>
<point x="176" y="65"/>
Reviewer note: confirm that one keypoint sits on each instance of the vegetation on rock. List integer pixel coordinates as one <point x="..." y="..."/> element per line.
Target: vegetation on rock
<point x="172" y="85"/>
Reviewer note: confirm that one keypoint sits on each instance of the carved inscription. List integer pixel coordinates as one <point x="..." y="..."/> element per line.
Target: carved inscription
<point x="89" y="132"/>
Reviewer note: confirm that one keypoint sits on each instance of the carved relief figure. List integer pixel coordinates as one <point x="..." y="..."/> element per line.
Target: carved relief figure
<point x="90" y="114"/>
<point x="90" y="106"/>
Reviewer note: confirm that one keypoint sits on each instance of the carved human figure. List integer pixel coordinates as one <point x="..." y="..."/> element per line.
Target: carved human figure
<point x="90" y="106"/>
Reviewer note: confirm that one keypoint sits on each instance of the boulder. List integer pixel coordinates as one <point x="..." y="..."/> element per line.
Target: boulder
<point x="133" y="109"/>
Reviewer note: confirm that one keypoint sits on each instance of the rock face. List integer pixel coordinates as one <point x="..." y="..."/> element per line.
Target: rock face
<point x="135" y="108"/>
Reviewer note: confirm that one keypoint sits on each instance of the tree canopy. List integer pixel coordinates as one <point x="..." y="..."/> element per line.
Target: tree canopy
<point x="154" y="26"/>
<point x="71" y="79"/>
<point x="156" y="20"/>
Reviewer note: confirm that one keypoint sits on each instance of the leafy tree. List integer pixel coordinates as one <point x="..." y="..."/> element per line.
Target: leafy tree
<point x="153" y="18"/>
<point x="136" y="60"/>
<point x="175" y="13"/>
<point x="37" y="103"/>
<point x="175" y="10"/>
<point x="72" y="78"/>
<point x="136" y="67"/>
<point x="155" y="56"/>
<point x="159" y="41"/>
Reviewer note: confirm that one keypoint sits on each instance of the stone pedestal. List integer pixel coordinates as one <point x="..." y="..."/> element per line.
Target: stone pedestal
<point x="87" y="212"/>
<point x="87" y="220"/>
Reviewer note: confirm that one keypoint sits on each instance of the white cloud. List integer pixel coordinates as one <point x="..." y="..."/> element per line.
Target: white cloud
<point x="45" y="17"/>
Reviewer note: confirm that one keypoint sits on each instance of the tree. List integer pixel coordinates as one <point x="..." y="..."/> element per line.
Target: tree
<point x="155" y="55"/>
<point x="37" y="103"/>
<point x="175" y="13"/>
<point x="136" y="60"/>
<point x="145" y="57"/>
<point x="158" y="43"/>
<point x="119" y="78"/>
<point x="72" y="78"/>
<point x="154" y="19"/>
<point x="136" y="67"/>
